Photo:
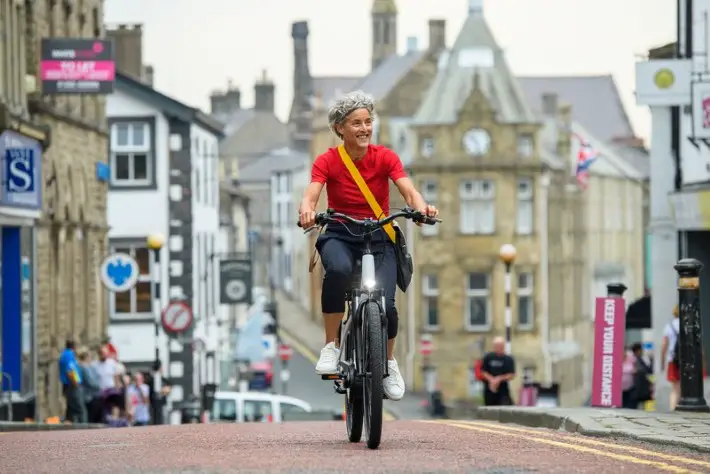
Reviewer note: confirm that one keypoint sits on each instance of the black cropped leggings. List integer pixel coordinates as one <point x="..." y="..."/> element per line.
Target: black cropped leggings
<point x="338" y="251"/>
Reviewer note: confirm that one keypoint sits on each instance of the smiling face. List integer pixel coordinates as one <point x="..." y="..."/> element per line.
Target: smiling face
<point x="356" y="129"/>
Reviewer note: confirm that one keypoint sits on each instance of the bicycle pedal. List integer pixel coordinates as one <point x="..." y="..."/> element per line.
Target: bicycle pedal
<point x="330" y="377"/>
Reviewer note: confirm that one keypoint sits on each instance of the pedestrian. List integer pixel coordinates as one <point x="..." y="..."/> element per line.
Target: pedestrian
<point x="643" y="370"/>
<point x="70" y="377"/>
<point x="107" y="369"/>
<point x="158" y="400"/>
<point x="90" y="387"/>
<point x="670" y="358"/>
<point x="138" y="400"/>
<point x="628" y="371"/>
<point x="498" y="369"/>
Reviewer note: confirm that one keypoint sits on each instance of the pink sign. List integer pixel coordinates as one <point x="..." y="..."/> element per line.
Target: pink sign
<point x="77" y="71"/>
<point x="609" y="331"/>
<point x="706" y="112"/>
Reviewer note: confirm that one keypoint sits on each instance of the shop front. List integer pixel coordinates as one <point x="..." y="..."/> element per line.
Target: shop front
<point x="21" y="149"/>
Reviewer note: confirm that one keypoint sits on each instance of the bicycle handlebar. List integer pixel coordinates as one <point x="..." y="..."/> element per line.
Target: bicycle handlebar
<point x="408" y="213"/>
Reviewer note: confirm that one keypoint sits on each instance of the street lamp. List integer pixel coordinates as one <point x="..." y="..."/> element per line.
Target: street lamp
<point x="155" y="243"/>
<point x="507" y="254"/>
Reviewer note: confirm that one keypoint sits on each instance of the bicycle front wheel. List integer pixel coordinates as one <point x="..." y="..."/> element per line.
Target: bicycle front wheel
<point x="375" y="355"/>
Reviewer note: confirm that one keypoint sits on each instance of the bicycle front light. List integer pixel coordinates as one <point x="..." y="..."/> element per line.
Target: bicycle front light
<point x="369" y="284"/>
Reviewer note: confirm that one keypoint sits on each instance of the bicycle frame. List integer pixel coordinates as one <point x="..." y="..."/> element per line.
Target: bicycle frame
<point x="358" y="297"/>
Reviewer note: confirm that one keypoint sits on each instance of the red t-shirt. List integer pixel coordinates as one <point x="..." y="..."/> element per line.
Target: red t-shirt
<point x="377" y="166"/>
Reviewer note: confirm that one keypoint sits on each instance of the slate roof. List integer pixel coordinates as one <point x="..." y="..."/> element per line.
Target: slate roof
<point x="609" y="163"/>
<point x="281" y="159"/>
<point x="234" y="120"/>
<point x="327" y="88"/>
<point x="380" y="82"/>
<point x="168" y="104"/>
<point x="455" y="79"/>
<point x="595" y="102"/>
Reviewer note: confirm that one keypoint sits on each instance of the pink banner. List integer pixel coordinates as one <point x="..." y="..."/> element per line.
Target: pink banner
<point x="609" y="331"/>
<point x="77" y="70"/>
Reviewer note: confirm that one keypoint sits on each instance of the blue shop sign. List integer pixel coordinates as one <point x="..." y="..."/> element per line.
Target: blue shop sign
<point x="21" y="171"/>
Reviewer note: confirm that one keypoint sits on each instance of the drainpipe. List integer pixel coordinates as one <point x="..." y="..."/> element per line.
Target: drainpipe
<point x="543" y="202"/>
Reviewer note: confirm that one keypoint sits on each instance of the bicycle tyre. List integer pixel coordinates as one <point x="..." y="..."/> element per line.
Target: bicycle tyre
<point x="373" y="388"/>
<point x="354" y="403"/>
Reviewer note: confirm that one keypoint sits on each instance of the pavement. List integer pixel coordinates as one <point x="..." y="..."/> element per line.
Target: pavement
<point x="6" y="426"/>
<point x="322" y="447"/>
<point x="307" y="338"/>
<point x="689" y="430"/>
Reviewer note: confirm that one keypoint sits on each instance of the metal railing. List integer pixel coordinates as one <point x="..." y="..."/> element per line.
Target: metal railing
<point x="5" y="376"/>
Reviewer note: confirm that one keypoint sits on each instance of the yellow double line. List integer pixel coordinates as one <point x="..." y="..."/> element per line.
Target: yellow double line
<point x="583" y="445"/>
<point x="313" y="359"/>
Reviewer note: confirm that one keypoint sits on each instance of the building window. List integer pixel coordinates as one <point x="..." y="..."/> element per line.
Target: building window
<point x="526" y="302"/>
<point x="427" y="147"/>
<point x="430" y="301"/>
<point x="526" y="146"/>
<point x="137" y="302"/>
<point x="478" y="301"/>
<point x="131" y="159"/>
<point x="524" y="220"/>
<point x="478" y="208"/>
<point x="429" y="193"/>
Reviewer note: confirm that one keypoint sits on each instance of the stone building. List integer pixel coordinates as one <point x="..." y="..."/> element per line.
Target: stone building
<point x="72" y="233"/>
<point x="501" y="173"/>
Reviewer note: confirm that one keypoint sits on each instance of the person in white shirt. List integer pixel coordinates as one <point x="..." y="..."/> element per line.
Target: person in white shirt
<point x="107" y="370"/>
<point x="669" y="356"/>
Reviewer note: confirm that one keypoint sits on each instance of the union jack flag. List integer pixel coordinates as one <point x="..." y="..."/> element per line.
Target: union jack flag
<point x="585" y="157"/>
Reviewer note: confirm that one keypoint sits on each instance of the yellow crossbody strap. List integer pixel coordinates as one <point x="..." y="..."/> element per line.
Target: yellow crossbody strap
<point x="365" y="190"/>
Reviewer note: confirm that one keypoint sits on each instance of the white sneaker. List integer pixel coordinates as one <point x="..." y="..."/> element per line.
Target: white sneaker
<point x="394" y="384"/>
<point x="328" y="362"/>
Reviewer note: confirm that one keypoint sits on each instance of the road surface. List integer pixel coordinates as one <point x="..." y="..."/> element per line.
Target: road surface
<point x="321" y="447"/>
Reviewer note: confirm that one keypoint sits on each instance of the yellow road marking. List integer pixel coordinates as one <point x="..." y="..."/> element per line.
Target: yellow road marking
<point x="313" y="359"/>
<point x="583" y="449"/>
<point x="593" y="442"/>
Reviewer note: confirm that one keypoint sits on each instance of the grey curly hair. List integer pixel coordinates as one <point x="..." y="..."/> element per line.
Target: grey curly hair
<point x="341" y="108"/>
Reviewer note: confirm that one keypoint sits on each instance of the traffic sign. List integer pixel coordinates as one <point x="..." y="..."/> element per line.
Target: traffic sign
<point x="426" y="346"/>
<point x="176" y="317"/>
<point x="269" y="343"/>
<point x="119" y="272"/>
<point x="285" y="352"/>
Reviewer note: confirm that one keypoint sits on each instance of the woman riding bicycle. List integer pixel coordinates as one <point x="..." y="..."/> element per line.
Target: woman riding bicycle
<point x="339" y="246"/>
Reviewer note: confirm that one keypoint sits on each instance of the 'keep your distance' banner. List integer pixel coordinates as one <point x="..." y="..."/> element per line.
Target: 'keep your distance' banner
<point x="609" y="332"/>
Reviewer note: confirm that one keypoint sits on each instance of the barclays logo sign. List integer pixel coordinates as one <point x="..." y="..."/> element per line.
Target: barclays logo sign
<point x="21" y="171"/>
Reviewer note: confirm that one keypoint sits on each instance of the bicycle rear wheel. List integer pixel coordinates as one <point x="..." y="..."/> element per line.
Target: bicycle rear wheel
<point x="373" y="389"/>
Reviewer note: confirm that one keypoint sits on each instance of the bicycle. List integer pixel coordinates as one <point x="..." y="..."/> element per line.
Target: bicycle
<point x="363" y="333"/>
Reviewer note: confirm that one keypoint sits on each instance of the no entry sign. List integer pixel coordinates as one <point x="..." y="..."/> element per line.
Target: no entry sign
<point x="176" y="318"/>
<point x="426" y="346"/>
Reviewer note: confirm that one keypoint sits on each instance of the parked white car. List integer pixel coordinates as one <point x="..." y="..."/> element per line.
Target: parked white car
<point x="259" y="407"/>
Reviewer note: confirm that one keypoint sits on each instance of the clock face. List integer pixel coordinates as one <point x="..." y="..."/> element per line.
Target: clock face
<point x="477" y="141"/>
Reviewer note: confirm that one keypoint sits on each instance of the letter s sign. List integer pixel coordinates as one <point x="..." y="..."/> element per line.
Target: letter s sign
<point x="20" y="170"/>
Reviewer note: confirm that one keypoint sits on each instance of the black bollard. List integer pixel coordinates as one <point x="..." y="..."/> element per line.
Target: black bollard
<point x="615" y="289"/>
<point x="690" y="344"/>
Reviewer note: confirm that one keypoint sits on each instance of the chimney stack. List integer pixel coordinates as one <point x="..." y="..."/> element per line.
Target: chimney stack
<point x="549" y="104"/>
<point x="437" y="35"/>
<point x="128" y="49"/>
<point x="148" y="75"/>
<point x="264" y="92"/>
<point x="226" y="102"/>
<point x="300" y="116"/>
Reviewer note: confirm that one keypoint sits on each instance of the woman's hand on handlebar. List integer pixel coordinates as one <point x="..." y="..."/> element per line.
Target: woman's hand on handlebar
<point x="307" y="218"/>
<point x="429" y="211"/>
